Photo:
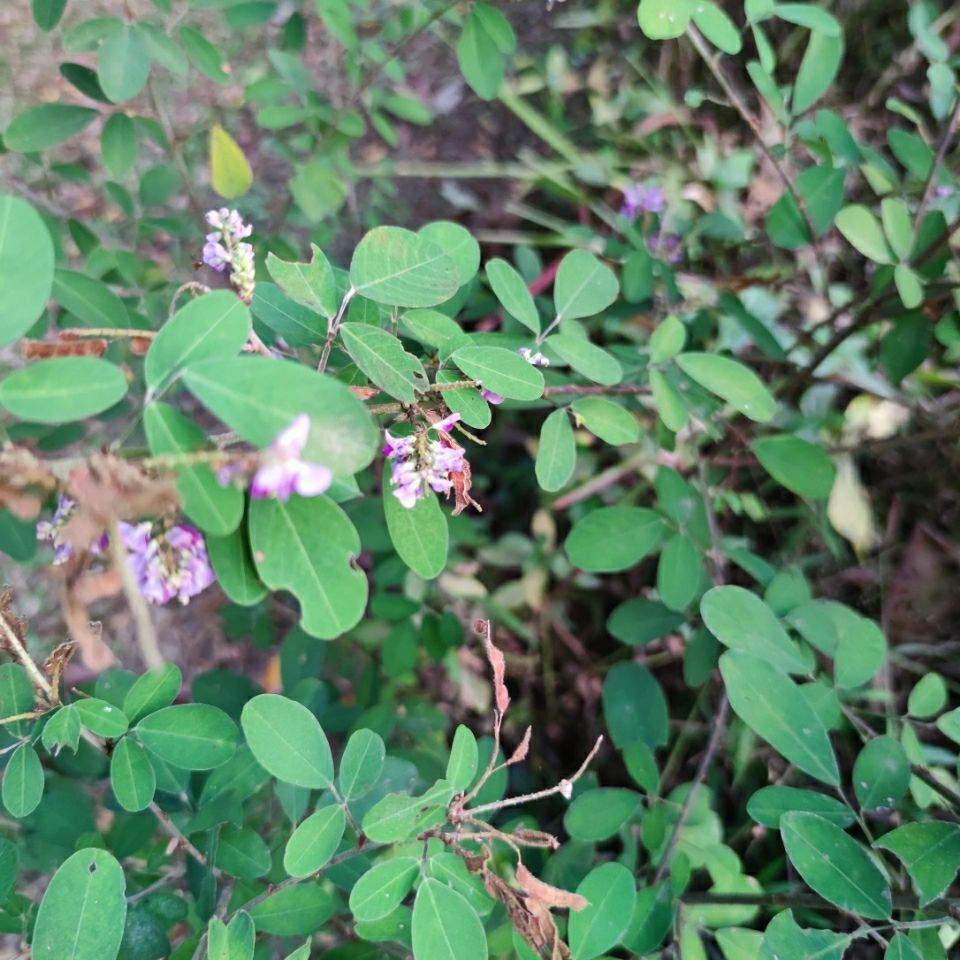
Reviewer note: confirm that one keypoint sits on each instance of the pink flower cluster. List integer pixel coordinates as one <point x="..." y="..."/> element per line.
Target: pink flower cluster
<point x="224" y="248"/>
<point x="418" y="462"/>
<point x="167" y="564"/>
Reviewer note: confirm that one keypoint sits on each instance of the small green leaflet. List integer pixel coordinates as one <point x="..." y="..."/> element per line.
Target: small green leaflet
<point x="314" y="842"/>
<point x="931" y="853"/>
<point x="611" y="893"/>
<point x="731" y="381"/>
<point x="584" y="286"/>
<point x="361" y="763"/>
<point x="514" y="295"/>
<point x="26" y="267"/>
<point x="445" y="926"/>
<point x="419" y="533"/>
<point x="381" y="356"/>
<point x="557" y="452"/>
<point x="382" y="888"/>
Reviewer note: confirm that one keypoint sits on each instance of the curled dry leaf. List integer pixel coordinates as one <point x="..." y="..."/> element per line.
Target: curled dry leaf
<point x="499" y="667"/>
<point x="548" y="895"/>
<point x="364" y="393"/>
<point x="108" y="488"/>
<point x="520" y="754"/>
<point x="24" y="482"/>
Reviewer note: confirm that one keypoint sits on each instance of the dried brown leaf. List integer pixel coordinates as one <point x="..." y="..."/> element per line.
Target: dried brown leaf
<point x="499" y="667"/>
<point x="520" y="754"/>
<point x="40" y="349"/>
<point x="551" y="897"/>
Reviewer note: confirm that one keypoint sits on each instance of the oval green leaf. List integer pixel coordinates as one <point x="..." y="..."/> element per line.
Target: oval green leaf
<point x="613" y="538"/>
<point x="314" y="842"/>
<point x="63" y="389"/>
<point x="26" y="267"/>
<point x="191" y="736"/>
<point x="132" y="776"/>
<point x="731" y="381"/>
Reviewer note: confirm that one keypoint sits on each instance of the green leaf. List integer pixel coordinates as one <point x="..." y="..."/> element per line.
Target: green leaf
<point x="118" y="144"/>
<point x="383" y="888"/>
<point x="928" y="697"/>
<point x="215" y="508"/>
<point x="785" y="940"/>
<point x="132" y="776"/>
<point x="234" y="942"/>
<point x="731" y="381"/>
<point x="47" y="13"/>
<point x="679" y="572"/>
<point x="770" y="704"/>
<point x="663" y="19"/>
<point x="297" y="324"/>
<point x="667" y="339"/>
<point x="862" y="230"/>
<point x="202" y="53"/>
<point x="497" y="26"/>
<point x="834" y="865"/>
<point x="434" y="329"/>
<point x="802" y="467"/>
<point x="419" y="533"/>
<point x="818" y="69"/>
<point x="82" y="914"/>
<point x="586" y="358"/>
<point x="931" y="853"/>
<point x="457" y="243"/>
<point x="190" y="736"/>
<point x="469" y="403"/>
<point x="314" y="842"/>
<point x="514" y="295"/>
<point x="62" y="729"/>
<point x="741" y="621"/>
<point x="717" y="27"/>
<point x="861" y="648"/>
<point x="230" y="173"/>
<point x="670" y="404"/>
<point x="233" y="564"/>
<point x="26" y="267"/>
<point x="900" y="948"/>
<point x="215" y="325"/>
<point x="611" y="894"/>
<point x="597" y="815"/>
<point x="151" y="691"/>
<point x="288" y="741"/>
<point x="445" y="926"/>
<point x="398" y="816"/>
<point x="400" y="268"/>
<point x="464" y="759"/>
<point x="501" y="371"/>
<point x="584" y="286"/>
<point x="897" y="226"/>
<point x="258" y="397"/>
<point x="63" y="389"/>
<point x="381" y="356"/>
<point x="556" y="452"/>
<point x="164" y="50"/>
<point x="769" y="804"/>
<point x="22" y="782"/>
<point x="123" y="64"/>
<point x="102" y="718"/>
<point x="611" y="539"/>
<point x="312" y="284"/>
<point x="480" y="58"/>
<point x="909" y="286"/>
<point x="810" y="16"/>
<point x="294" y="911"/>
<point x="16" y="696"/>
<point x="89" y="300"/>
<point x="634" y="707"/>
<point x="307" y="546"/>
<point x="639" y="621"/>
<point x="881" y="774"/>
<point x="611" y="422"/>
<point x="821" y="190"/>
<point x="40" y="128"/>
<point x="361" y="763"/>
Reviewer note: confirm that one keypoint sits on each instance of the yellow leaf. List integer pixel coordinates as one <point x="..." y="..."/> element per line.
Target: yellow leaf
<point x="849" y="508"/>
<point x="230" y="174"/>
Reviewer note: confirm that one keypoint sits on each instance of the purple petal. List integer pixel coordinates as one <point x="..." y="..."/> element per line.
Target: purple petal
<point x="446" y="424"/>
<point x="292" y="439"/>
<point x="312" y="479"/>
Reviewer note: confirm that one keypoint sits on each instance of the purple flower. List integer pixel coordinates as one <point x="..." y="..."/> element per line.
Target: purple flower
<point x="537" y="359"/>
<point x="669" y="247"/>
<point x="418" y="462"/>
<point x="282" y="472"/>
<point x="169" y="564"/>
<point x="50" y="531"/>
<point x="638" y="199"/>
<point x="224" y="249"/>
<point x="491" y="397"/>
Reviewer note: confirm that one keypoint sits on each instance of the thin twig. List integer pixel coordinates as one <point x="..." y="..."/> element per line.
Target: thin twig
<point x="177" y="834"/>
<point x="144" y="630"/>
<point x="332" y="331"/>
<point x="563" y="787"/>
<point x="622" y="389"/>
<point x="26" y="661"/>
<point x="736" y="101"/>
<point x="77" y="333"/>
<point x="945" y="143"/>
<point x="601" y="481"/>
<point x="713" y="744"/>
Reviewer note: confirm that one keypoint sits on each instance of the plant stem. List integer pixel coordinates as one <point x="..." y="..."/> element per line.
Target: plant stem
<point x="144" y="630"/>
<point x="334" y="327"/>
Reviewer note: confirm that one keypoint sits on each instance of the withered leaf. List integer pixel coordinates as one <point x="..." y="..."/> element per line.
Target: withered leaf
<point x="551" y="897"/>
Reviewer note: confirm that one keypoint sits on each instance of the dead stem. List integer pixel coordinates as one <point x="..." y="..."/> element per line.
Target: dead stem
<point x="144" y="632"/>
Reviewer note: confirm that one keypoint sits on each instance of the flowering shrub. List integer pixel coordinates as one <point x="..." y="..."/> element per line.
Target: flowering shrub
<point x="559" y="578"/>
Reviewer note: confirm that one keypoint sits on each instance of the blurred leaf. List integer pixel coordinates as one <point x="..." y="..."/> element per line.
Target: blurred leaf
<point x="63" y="389"/>
<point x="634" y="707"/>
<point x="731" y="381"/>
<point x="663" y="19"/>
<point x="419" y="533"/>
<point x="26" y="267"/>
<point x="818" y="69"/>
<point x="800" y="466"/>
<point x="931" y="853"/>
<point x="611" y="539"/>
<point x="611" y="893"/>
<point x="230" y="173"/>
<point x="717" y="27"/>
<point x="40" y="128"/>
